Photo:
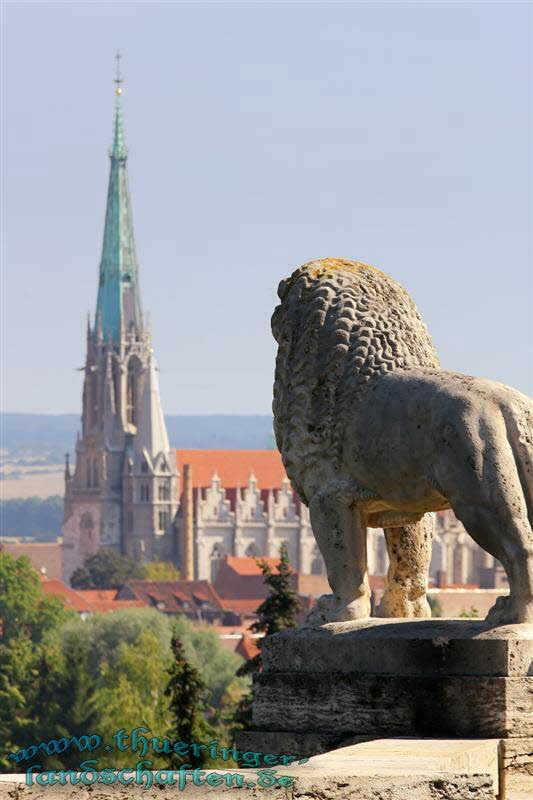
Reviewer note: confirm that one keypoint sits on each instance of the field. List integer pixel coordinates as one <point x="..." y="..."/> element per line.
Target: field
<point x="31" y="481"/>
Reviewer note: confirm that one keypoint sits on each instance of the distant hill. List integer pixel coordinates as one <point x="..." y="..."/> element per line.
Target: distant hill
<point x="49" y="436"/>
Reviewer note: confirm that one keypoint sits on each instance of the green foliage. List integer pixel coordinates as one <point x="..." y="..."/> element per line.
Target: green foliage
<point x="280" y="608"/>
<point x="435" y="606"/>
<point x="131" y="692"/>
<point x="276" y="613"/>
<point x="28" y="616"/>
<point x="161" y="571"/>
<point x="61" y="675"/>
<point x="106" y="569"/>
<point x="32" y="517"/>
<point x="187" y="695"/>
<point x="24" y="608"/>
<point x="216" y="665"/>
<point x="469" y="613"/>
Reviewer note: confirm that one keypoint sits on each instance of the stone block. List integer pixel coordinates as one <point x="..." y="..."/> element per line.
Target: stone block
<point x="392" y="769"/>
<point x="404" y="647"/>
<point x="385" y="705"/>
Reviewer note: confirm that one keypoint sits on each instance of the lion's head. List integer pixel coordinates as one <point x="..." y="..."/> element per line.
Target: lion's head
<point x="339" y="325"/>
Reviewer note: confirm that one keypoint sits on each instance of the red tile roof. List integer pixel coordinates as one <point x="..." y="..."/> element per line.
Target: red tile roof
<point x="240" y="578"/>
<point x="175" y="597"/>
<point x="43" y="555"/>
<point x="71" y="598"/>
<point x="233" y="467"/>
<point x="248" y="565"/>
<point x="248" y="605"/>
<point x="105" y="600"/>
<point x="247" y="647"/>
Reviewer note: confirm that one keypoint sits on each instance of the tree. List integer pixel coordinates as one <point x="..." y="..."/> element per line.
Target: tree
<point x="280" y="608"/>
<point x="106" y="569"/>
<point x="161" y="571"/>
<point x="276" y="613"/>
<point x="27" y="618"/>
<point x="187" y="694"/>
<point x="24" y="608"/>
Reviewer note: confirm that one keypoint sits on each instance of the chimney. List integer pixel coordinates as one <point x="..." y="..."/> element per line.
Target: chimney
<point x="187" y="541"/>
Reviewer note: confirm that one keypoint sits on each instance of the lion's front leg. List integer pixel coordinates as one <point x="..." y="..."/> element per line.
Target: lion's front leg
<point x="341" y="536"/>
<point x="409" y="549"/>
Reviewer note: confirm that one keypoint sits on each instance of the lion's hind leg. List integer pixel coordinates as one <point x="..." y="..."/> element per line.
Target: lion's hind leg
<point x="409" y="549"/>
<point x="490" y="501"/>
<point x="507" y="536"/>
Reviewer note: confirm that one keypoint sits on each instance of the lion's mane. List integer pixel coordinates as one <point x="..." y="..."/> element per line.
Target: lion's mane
<point x="340" y="324"/>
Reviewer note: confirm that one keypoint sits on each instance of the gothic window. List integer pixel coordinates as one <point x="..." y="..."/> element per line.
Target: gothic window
<point x="252" y="550"/>
<point x="217" y="555"/>
<point x="95" y="472"/>
<point x="145" y="492"/>
<point x="163" y="520"/>
<point x="164" y="491"/>
<point x="93" y="400"/>
<point x="116" y="383"/>
<point x="130" y="397"/>
<point x="132" y="389"/>
<point x="87" y="525"/>
<point x="90" y="473"/>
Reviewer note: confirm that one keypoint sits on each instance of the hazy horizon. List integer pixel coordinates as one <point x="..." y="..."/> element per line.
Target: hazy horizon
<point x="260" y="136"/>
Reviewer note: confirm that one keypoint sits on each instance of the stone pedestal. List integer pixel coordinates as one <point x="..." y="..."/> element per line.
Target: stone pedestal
<point x="346" y="682"/>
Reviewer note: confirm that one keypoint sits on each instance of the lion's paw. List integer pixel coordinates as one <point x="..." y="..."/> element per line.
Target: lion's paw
<point x="329" y="608"/>
<point x="506" y="611"/>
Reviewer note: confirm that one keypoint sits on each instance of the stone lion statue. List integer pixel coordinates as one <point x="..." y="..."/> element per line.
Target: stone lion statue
<point x="374" y="434"/>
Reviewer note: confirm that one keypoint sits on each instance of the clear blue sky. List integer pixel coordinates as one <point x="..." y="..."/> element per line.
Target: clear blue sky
<point x="261" y="136"/>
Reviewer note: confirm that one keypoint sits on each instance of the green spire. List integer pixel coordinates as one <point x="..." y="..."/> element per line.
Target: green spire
<point x="118" y="306"/>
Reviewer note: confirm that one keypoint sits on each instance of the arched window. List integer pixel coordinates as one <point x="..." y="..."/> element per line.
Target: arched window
<point x="217" y="554"/>
<point x="252" y="550"/>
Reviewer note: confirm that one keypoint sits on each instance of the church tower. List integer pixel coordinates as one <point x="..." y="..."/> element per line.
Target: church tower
<point x="123" y="491"/>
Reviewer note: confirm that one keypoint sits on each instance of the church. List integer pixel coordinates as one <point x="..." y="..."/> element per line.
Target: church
<point x="130" y="491"/>
<point x="123" y="492"/>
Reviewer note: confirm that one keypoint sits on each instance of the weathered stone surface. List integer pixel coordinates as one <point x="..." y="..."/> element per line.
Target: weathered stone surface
<point x="374" y="434"/>
<point x="301" y="743"/>
<point x="320" y="787"/>
<point x="384" y="705"/>
<point x="404" y="647"/>
<point x="516" y="768"/>
<point x="378" y="770"/>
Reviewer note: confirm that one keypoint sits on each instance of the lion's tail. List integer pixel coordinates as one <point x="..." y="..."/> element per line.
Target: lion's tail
<point x="519" y="424"/>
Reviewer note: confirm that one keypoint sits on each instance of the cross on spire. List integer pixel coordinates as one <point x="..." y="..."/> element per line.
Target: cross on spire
<point x="119" y="80"/>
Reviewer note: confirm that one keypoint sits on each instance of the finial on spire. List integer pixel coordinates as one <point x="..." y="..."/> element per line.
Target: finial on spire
<point x="119" y="80"/>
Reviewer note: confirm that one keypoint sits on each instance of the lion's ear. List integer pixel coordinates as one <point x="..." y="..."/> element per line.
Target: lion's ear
<point x="282" y="289"/>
